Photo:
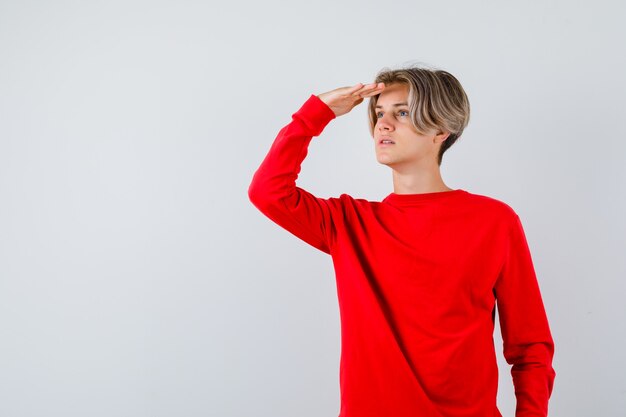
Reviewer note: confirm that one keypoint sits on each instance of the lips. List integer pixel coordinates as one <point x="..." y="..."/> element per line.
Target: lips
<point x="386" y="141"/>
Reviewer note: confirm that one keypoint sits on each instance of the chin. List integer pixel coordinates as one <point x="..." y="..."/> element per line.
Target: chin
<point x="383" y="162"/>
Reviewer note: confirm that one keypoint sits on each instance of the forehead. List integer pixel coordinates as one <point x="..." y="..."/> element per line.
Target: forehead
<point x="393" y="94"/>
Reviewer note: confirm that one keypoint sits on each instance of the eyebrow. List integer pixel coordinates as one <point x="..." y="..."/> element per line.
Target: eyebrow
<point x="394" y="105"/>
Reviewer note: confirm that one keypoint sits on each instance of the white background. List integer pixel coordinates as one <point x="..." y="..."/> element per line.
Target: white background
<point x="136" y="278"/>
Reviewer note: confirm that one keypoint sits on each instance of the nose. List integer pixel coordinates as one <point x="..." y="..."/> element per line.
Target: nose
<point x="384" y="124"/>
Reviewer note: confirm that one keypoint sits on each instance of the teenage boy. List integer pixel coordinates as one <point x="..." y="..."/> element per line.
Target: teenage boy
<point x="420" y="273"/>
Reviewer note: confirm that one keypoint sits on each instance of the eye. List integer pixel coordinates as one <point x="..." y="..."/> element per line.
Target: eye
<point x="401" y="113"/>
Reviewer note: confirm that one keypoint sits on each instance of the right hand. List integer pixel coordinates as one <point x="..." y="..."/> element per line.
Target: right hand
<point x="343" y="99"/>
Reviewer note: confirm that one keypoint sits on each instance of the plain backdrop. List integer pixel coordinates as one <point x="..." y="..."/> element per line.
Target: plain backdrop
<point x="137" y="279"/>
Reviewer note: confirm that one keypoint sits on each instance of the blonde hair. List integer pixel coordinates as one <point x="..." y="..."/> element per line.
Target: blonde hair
<point x="436" y="101"/>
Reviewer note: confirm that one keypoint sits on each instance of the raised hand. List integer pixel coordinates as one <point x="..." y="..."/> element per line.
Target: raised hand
<point x="343" y="99"/>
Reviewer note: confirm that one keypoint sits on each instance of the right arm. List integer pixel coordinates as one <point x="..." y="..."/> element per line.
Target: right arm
<point x="273" y="189"/>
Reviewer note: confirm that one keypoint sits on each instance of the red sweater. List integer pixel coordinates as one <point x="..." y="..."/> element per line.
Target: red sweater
<point x="418" y="278"/>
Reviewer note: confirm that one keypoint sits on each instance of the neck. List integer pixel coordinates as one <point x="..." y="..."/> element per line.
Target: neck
<point x="418" y="179"/>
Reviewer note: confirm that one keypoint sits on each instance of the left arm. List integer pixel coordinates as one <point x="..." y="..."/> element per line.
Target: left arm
<point x="527" y="340"/>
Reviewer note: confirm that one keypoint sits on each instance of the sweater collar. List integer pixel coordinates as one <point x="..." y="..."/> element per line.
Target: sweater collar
<point x="408" y="199"/>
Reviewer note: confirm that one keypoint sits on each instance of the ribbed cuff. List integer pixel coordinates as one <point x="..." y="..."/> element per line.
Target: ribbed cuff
<point x="315" y="114"/>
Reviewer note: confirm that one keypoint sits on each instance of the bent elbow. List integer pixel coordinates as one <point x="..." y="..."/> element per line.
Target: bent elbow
<point x="256" y="194"/>
<point x="262" y="196"/>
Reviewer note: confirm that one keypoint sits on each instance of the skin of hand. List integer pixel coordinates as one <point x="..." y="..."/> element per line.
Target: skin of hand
<point x="343" y="99"/>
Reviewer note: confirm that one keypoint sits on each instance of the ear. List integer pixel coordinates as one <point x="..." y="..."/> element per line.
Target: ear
<point x="441" y="136"/>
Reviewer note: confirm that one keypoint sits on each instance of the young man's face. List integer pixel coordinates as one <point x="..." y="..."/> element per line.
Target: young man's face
<point x="393" y="122"/>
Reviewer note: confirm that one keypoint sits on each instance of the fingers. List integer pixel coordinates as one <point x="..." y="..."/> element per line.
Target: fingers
<point x="354" y="88"/>
<point x="368" y="89"/>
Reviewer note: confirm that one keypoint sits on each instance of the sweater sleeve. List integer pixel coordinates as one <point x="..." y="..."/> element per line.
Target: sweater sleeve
<point x="273" y="188"/>
<point x="527" y="341"/>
